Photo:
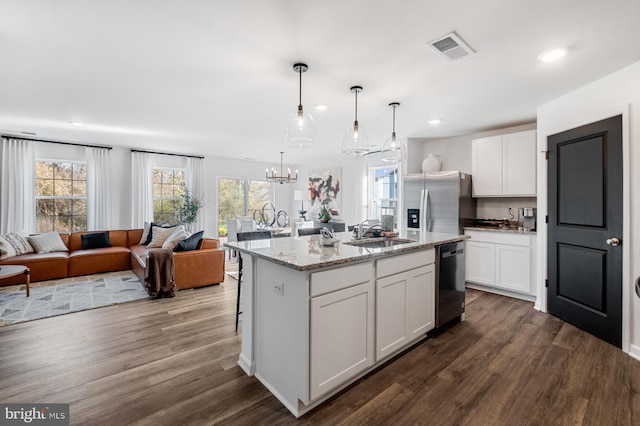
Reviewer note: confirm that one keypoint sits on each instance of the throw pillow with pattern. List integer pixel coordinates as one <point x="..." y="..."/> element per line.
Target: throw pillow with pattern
<point x="14" y="244"/>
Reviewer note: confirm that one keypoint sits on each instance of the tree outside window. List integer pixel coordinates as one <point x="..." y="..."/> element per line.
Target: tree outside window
<point x="167" y="195"/>
<point x="61" y="196"/>
<point x="240" y="197"/>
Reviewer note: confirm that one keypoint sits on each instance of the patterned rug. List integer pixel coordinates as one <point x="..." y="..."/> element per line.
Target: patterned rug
<point x="59" y="297"/>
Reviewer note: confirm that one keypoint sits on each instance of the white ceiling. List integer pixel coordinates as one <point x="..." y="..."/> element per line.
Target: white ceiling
<point x="216" y="78"/>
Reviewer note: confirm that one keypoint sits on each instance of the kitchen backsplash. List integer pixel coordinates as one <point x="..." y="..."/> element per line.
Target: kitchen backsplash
<point x="498" y="208"/>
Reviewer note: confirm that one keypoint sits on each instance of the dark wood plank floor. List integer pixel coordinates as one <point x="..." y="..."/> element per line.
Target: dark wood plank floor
<point x="173" y="362"/>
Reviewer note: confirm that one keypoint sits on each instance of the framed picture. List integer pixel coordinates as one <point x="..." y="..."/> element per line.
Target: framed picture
<point x="324" y="190"/>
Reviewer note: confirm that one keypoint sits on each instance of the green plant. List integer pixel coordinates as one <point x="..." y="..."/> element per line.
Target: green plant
<point x="189" y="208"/>
<point x="325" y="214"/>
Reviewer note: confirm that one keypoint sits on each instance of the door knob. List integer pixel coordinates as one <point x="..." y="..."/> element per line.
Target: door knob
<point x="613" y="241"/>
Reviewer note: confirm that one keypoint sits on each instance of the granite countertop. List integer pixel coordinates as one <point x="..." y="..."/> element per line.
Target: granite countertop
<point x="496" y="229"/>
<point x="307" y="252"/>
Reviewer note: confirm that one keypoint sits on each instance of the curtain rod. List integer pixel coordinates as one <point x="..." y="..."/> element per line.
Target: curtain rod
<point x="4" y="135"/>
<point x="167" y="153"/>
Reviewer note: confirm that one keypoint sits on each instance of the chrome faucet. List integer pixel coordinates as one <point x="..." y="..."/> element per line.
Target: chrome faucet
<point x="361" y="230"/>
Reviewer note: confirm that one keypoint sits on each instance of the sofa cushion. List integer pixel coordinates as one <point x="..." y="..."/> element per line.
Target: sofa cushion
<point x="47" y="243"/>
<point x="176" y="236"/>
<point x="95" y="240"/>
<point x="190" y="243"/>
<point x="159" y="235"/>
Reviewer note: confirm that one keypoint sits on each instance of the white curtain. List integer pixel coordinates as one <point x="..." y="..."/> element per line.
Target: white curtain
<point x="141" y="189"/>
<point x="17" y="201"/>
<point x="98" y="188"/>
<point x="195" y="184"/>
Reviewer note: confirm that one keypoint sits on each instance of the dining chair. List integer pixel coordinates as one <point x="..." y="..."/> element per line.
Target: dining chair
<point x="233" y="225"/>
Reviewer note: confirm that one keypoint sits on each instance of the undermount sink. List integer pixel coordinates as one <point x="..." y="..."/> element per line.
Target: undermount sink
<point x="378" y="242"/>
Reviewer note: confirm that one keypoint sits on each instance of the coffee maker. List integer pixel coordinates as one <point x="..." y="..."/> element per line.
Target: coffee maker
<point x="529" y="219"/>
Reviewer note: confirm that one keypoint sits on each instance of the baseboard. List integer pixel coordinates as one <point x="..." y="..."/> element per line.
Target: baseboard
<point x="246" y="365"/>
<point x="489" y="289"/>
<point x="634" y="351"/>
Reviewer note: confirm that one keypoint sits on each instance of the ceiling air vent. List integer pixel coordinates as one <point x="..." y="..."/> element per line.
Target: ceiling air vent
<point x="451" y="47"/>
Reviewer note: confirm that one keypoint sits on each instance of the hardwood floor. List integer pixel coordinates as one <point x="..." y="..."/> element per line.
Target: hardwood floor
<point x="173" y="362"/>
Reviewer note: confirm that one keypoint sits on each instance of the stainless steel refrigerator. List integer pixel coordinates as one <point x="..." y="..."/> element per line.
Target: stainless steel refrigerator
<point x="442" y="202"/>
<point x="437" y="202"/>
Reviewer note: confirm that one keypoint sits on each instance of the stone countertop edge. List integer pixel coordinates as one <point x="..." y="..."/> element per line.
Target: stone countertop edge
<point x="318" y="256"/>
<point x="494" y="229"/>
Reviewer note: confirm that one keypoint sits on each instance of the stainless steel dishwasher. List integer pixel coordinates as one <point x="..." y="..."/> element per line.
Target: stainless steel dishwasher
<point x="450" y="271"/>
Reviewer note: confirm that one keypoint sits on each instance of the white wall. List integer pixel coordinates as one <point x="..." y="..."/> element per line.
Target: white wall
<point x="617" y="93"/>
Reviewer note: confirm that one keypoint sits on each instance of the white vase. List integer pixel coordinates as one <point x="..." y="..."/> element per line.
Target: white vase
<point x="431" y="163"/>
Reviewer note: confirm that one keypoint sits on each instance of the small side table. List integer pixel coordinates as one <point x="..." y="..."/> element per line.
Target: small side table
<point x="7" y="271"/>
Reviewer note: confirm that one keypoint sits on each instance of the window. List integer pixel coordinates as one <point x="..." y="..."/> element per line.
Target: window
<point x="61" y="196"/>
<point x="241" y="197"/>
<point x="383" y="183"/>
<point x="167" y="193"/>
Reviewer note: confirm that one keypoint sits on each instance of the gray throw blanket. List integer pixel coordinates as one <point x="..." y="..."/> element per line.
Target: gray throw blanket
<point x="159" y="281"/>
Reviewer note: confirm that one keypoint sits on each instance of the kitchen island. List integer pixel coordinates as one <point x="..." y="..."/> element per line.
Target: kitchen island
<point x="316" y="318"/>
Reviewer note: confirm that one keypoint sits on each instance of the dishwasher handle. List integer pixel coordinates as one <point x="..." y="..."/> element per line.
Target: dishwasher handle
<point x="452" y="253"/>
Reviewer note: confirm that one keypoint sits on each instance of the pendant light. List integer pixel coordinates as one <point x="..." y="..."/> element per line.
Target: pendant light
<point x="300" y="131"/>
<point x="355" y="140"/>
<point x="392" y="150"/>
<point x="273" y="175"/>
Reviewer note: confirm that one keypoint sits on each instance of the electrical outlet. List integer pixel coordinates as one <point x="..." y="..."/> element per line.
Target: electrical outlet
<point x="278" y="288"/>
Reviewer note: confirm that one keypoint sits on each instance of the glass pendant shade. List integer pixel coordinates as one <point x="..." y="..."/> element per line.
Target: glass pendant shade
<point x="393" y="149"/>
<point x="355" y="140"/>
<point x="301" y="131"/>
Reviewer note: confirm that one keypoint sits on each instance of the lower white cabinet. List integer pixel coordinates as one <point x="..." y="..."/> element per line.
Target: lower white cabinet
<point x="342" y="336"/>
<point x="501" y="260"/>
<point x="404" y="309"/>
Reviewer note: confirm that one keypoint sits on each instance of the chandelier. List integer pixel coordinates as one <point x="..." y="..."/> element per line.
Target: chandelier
<point x="272" y="176"/>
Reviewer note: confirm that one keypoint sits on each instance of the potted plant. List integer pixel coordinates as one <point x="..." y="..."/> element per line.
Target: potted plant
<point x="189" y="208"/>
<point x="324" y="215"/>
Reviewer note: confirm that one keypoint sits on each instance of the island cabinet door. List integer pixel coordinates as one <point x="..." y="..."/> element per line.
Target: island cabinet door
<point x="405" y="309"/>
<point x="342" y="333"/>
<point x="421" y="301"/>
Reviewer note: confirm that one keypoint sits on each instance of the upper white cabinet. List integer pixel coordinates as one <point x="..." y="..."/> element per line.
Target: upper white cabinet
<point x="504" y="165"/>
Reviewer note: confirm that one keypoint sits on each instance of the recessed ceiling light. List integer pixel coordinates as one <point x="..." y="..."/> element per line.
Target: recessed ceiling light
<point x="321" y="107"/>
<point x="77" y="123"/>
<point x="435" y="121"/>
<point x="553" y="55"/>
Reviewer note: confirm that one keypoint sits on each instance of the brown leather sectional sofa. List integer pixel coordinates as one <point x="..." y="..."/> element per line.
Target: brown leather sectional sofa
<point x="195" y="268"/>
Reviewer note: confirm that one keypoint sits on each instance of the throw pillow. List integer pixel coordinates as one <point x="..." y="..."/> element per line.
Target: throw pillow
<point x="159" y="235"/>
<point x="6" y="250"/>
<point x="15" y="244"/>
<point x="151" y="228"/>
<point x="176" y="236"/>
<point x="47" y="243"/>
<point x="190" y="243"/>
<point x="95" y="240"/>
<point x="145" y="234"/>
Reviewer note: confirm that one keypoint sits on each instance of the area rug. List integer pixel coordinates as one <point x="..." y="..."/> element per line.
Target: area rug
<point x="59" y="297"/>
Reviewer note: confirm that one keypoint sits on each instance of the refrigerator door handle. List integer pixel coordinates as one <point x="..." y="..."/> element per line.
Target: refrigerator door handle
<point x="424" y="209"/>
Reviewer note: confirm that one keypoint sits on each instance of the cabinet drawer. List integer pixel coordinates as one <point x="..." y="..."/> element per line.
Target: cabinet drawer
<point x="339" y="278"/>
<point x="500" y="238"/>
<point x="404" y="262"/>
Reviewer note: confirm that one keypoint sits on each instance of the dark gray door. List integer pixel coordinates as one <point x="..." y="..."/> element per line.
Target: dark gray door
<point x="585" y="228"/>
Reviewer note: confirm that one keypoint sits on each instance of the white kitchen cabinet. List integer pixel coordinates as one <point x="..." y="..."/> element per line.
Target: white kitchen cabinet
<point x="501" y="261"/>
<point x="405" y="301"/>
<point x="504" y="165"/>
<point x="481" y="262"/>
<point x="342" y="328"/>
